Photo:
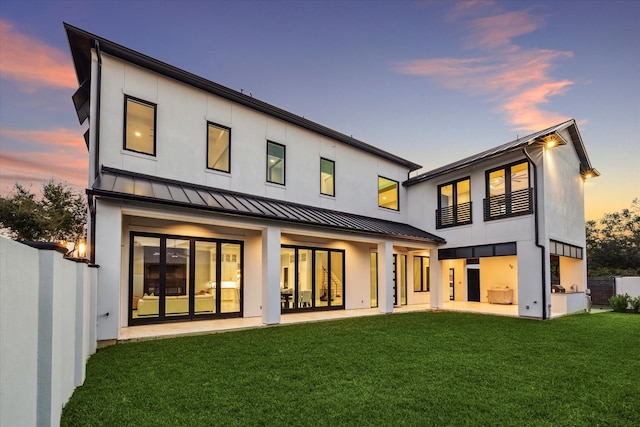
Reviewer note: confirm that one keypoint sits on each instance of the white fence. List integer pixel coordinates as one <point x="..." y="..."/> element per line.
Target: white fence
<point x="47" y="332"/>
<point x="628" y="285"/>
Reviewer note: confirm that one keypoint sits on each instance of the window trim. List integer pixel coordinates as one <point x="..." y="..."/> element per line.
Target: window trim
<point x="455" y="204"/>
<point x="507" y="183"/>
<point x="333" y="187"/>
<point x="397" y="193"/>
<point x="284" y="168"/>
<point x="228" y="129"/>
<point x="426" y="282"/>
<point x="508" y="192"/>
<point x="155" y="124"/>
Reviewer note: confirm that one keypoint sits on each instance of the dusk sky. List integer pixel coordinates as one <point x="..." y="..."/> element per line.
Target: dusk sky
<point x="430" y="81"/>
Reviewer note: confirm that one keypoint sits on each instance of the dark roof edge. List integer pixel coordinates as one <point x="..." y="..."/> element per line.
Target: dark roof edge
<point x="134" y="57"/>
<point x="124" y="196"/>
<point x="509" y="147"/>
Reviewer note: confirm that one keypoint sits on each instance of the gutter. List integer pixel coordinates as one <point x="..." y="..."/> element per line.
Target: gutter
<point x="543" y="255"/>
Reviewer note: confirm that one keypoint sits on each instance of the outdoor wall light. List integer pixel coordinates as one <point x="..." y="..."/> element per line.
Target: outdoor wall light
<point x="82" y="248"/>
<point x="551" y="141"/>
<point x="590" y="173"/>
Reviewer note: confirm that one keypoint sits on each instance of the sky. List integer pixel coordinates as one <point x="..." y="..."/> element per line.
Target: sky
<point x="430" y="81"/>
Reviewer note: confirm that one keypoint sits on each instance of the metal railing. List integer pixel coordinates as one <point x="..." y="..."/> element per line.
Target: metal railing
<point x="507" y="205"/>
<point x="452" y="216"/>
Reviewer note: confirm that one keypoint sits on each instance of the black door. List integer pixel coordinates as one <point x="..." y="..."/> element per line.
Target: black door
<point x="473" y="284"/>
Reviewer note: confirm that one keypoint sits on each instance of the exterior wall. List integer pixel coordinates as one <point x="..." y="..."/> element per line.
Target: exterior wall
<point x="499" y="272"/>
<point x="46" y="338"/>
<point x="530" y="303"/>
<point x="182" y="113"/>
<point x="628" y="285"/>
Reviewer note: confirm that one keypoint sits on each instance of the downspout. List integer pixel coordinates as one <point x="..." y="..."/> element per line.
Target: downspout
<point x="543" y="255"/>
<point x="96" y="157"/>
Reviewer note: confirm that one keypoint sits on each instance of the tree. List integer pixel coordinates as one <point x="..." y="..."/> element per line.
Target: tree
<point x="613" y="245"/>
<point x="60" y="214"/>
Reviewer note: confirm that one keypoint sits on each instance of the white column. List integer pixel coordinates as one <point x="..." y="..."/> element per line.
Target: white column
<point x="271" y="275"/>
<point x="439" y="283"/>
<point x="385" y="277"/>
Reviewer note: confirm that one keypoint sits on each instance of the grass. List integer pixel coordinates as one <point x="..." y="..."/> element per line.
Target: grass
<point x="412" y="369"/>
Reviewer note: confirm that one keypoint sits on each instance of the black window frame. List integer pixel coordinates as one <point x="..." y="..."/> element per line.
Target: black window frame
<point x="284" y="160"/>
<point x="425" y="285"/>
<point x="191" y="316"/>
<point x="226" y="128"/>
<point x="333" y="189"/>
<point x="519" y="198"/>
<point x="155" y="124"/>
<point x="397" y="193"/>
<point x="456" y="207"/>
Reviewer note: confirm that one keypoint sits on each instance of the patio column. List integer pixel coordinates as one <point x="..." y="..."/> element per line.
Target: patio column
<point x="438" y="282"/>
<point x="271" y="275"/>
<point x="385" y="277"/>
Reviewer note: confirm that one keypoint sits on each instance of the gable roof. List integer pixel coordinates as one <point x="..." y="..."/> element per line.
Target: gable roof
<point x="125" y="185"/>
<point x="509" y="147"/>
<point x="82" y="42"/>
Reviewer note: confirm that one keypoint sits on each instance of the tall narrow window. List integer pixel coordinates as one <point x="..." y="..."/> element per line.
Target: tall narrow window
<point x="275" y="163"/>
<point x="218" y="147"/>
<point x="454" y="204"/>
<point x="140" y="126"/>
<point x="421" y="274"/>
<point x="327" y="174"/>
<point x="387" y="193"/>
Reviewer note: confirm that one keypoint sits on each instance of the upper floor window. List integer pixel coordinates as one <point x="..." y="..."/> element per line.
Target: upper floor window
<point x="275" y="163"/>
<point x="327" y="177"/>
<point x="218" y="147"/>
<point x="140" y="126"/>
<point x="454" y="203"/>
<point x="508" y="191"/>
<point x="388" y="193"/>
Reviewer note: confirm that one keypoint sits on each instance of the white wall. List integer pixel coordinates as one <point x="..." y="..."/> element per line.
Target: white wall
<point x="498" y="272"/>
<point x="182" y="114"/>
<point x="46" y="338"/>
<point x="628" y="285"/>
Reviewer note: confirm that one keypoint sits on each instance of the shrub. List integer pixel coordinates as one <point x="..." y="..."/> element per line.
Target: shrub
<point x="635" y="304"/>
<point x="620" y="303"/>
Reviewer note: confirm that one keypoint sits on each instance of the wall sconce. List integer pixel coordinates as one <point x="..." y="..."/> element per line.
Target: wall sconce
<point x="82" y="248"/>
<point x="551" y="141"/>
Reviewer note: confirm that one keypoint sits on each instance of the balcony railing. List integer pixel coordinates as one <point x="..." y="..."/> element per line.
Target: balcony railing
<point x="452" y="216"/>
<point x="507" y="205"/>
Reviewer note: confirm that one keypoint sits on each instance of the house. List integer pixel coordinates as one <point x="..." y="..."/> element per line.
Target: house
<point x="207" y="203"/>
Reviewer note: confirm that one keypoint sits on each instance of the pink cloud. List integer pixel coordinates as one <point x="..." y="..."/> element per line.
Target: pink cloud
<point x="516" y="79"/>
<point x="60" y="154"/>
<point x="31" y="63"/>
<point x="497" y="31"/>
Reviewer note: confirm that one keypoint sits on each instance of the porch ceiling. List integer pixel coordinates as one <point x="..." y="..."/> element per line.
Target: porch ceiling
<point x="119" y="184"/>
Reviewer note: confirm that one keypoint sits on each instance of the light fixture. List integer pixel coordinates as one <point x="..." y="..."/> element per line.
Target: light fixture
<point x="550" y="141"/>
<point x="589" y="173"/>
<point x="82" y="248"/>
<point x="137" y="134"/>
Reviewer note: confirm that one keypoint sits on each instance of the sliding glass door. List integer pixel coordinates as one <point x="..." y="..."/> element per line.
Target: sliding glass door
<point x="311" y="278"/>
<point x="180" y="277"/>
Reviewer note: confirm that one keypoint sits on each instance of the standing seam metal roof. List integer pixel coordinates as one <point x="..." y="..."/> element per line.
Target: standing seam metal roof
<point x="119" y="184"/>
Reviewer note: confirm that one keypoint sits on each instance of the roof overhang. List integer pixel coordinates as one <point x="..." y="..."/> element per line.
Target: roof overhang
<point x="123" y="185"/>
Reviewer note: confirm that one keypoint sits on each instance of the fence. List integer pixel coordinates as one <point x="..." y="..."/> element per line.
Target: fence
<point x="47" y="331"/>
<point x="602" y="288"/>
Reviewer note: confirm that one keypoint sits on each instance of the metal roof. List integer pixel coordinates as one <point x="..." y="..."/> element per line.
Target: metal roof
<point x="518" y="144"/>
<point x="119" y="184"/>
<point x="82" y="42"/>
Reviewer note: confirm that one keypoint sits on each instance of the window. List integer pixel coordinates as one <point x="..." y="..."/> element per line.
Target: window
<point x="508" y="191"/>
<point x="311" y="278"/>
<point x="421" y="274"/>
<point x="140" y="126"/>
<point x="454" y="203"/>
<point x="387" y="193"/>
<point x="275" y="163"/>
<point x="218" y="147"/>
<point x="327" y="180"/>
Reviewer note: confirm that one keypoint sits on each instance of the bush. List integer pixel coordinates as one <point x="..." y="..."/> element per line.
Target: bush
<point x="635" y="304"/>
<point x="620" y="303"/>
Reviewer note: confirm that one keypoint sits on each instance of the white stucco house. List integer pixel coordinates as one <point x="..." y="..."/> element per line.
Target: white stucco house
<point x="206" y="203"/>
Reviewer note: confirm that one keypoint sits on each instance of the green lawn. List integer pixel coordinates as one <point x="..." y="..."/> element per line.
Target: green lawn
<point x="404" y="369"/>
